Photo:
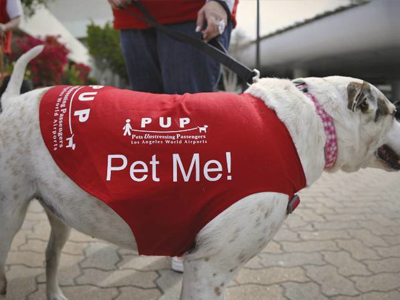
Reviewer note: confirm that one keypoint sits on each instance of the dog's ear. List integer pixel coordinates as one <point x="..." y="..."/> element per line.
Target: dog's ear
<point x="358" y="94"/>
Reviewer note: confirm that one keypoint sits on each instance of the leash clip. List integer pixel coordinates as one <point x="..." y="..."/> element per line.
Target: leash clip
<point x="255" y="78"/>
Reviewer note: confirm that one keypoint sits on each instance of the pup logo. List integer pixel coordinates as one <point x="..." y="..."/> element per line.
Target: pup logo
<point x="142" y="135"/>
<point x="182" y="122"/>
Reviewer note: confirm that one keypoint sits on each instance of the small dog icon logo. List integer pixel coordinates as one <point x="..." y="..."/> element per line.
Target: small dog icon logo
<point x="71" y="143"/>
<point x="203" y="128"/>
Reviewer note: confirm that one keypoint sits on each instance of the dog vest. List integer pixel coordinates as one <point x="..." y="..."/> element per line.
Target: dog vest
<point x="168" y="164"/>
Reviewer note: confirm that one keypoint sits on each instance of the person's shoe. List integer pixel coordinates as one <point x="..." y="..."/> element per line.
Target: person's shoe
<point x="177" y="264"/>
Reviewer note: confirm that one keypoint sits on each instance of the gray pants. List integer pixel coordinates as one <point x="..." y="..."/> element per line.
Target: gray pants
<point x="157" y="63"/>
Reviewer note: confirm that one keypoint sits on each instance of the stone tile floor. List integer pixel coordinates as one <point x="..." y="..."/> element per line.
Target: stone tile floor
<point x="342" y="243"/>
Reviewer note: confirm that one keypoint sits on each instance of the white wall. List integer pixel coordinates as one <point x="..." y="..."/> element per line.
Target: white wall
<point x="44" y="23"/>
<point x="75" y="15"/>
<point x="369" y="29"/>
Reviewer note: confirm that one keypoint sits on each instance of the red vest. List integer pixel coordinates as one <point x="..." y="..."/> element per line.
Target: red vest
<point x="164" y="11"/>
<point x="168" y="164"/>
<point x="4" y="18"/>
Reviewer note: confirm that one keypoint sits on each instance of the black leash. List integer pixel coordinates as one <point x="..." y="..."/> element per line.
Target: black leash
<point x="214" y="48"/>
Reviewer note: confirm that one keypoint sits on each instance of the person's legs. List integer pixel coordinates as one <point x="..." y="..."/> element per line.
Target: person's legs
<point x="183" y="67"/>
<point x="187" y="70"/>
<point x="139" y="48"/>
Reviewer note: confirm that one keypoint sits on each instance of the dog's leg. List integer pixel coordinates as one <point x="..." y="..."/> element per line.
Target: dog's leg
<point x="58" y="237"/>
<point x="206" y="280"/>
<point x="12" y="214"/>
<point x="228" y="242"/>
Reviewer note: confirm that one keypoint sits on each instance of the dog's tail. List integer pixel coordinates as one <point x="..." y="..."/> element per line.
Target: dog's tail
<point x="14" y="86"/>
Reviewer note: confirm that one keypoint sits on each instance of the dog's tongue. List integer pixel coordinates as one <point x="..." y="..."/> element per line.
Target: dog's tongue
<point x="389" y="156"/>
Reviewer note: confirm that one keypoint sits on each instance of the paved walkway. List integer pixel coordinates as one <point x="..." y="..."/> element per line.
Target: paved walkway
<point x="342" y="243"/>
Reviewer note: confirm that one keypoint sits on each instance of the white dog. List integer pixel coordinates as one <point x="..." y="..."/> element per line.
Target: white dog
<point x="368" y="135"/>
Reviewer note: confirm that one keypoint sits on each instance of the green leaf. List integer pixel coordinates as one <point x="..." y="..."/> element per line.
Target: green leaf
<point x="104" y="46"/>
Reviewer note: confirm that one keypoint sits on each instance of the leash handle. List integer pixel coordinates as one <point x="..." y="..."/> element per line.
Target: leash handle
<point x="214" y="49"/>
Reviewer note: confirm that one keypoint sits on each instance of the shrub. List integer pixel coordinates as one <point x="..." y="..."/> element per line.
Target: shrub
<point x="49" y="67"/>
<point x="105" y="48"/>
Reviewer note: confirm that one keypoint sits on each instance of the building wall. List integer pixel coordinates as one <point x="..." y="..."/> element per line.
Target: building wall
<point x="75" y="15"/>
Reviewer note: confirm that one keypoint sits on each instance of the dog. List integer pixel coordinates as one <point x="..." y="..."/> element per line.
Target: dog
<point x="367" y="134"/>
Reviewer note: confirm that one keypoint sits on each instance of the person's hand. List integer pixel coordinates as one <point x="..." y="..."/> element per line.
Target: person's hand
<point x="2" y="31"/>
<point x="119" y="4"/>
<point x="215" y="15"/>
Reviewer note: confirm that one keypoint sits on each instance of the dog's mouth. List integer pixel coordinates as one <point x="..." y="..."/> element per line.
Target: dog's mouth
<point x="388" y="156"/>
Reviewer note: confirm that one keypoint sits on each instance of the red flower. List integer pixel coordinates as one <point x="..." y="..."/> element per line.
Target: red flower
<point x="48" y="67"/>
<point x="84" y="71"/>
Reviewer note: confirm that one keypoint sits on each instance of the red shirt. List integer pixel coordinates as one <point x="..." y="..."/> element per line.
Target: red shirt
<point x="168" y="164"/>
<point x="4" y="18"/>
<point x="164" y="11"/>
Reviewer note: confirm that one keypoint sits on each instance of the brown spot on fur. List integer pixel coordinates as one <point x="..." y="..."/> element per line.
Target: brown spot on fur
<point x="242" y="258"/>
<point x="357" y="94"/>
<point x="207" y="259"/>
<point x="217" y="291"/>
<point x="258" y="222"/>
<point x="382" y="110"/>
<point x="16" y="196"/>
<point x="3" y="291"/>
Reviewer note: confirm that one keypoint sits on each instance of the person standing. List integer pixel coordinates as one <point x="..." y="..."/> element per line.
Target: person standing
<point x="159" y="64"/>
<point x="10" y="18"/>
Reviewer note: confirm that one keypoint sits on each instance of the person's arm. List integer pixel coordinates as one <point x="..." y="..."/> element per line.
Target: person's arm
<point x="216" y="13"/>
<point x="118" y="4"/>
<point x="14" y="11"/>
<point x="228" y="3"/>
<point x="12" y="24"/>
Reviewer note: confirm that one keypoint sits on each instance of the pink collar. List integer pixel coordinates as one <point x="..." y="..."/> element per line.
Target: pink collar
<point x="331" y="148"/>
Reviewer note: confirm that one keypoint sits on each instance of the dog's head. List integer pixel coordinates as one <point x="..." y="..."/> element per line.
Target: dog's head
<point x="368" y="126"/>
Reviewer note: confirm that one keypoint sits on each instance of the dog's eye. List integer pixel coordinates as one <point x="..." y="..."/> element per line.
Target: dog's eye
<point x="364" y="105"/>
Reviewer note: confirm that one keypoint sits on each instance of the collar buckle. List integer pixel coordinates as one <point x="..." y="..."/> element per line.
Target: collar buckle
<point x="293" y="203"/>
